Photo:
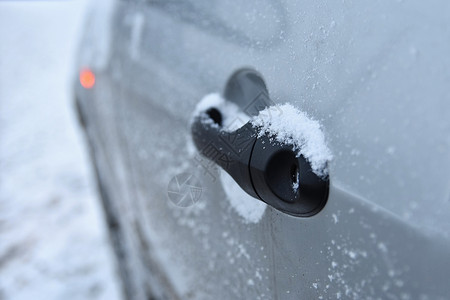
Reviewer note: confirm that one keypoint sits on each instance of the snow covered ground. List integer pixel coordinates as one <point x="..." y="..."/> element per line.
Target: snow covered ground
<point x="53" y="241"/>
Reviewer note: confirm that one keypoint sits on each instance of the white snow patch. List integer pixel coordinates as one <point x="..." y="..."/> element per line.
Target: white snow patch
<point x="352" y="254"/>
<point x="210" y="100"/>
<point x="249" y="208"/>
<point x="232" y="116"/>
<point x="295" y="127"/>
<point x="53" y="239"/>
<point x="335" y="218"/>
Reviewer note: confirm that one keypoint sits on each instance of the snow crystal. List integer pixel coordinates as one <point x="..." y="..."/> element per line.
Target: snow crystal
<point x="355" y="152"/>
<point x="390" y="150"/>
<point x="249" y="208"/>
<point x="258" y="275"/>
<point x="335" y="218"/>
<point x="352" y="254"/>
<point x="382" y="247"/>
<point x="243" y="252"/>
<point x="210" y="100"/>
<point x="295" y="127"/>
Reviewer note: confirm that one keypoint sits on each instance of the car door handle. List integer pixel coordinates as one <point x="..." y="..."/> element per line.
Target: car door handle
<point x="264" y="168"/>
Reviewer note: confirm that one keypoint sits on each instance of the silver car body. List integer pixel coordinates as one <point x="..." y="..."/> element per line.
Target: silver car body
<point x="376" y="74"/>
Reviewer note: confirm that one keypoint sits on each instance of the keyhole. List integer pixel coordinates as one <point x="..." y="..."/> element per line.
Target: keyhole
<point x="294" y="174"/>
<point x="215" y="115"/>
<point x="294" y="178"/>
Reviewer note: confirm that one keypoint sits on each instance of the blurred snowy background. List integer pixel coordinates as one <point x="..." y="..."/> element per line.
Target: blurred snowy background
<point x="53" y="241"/>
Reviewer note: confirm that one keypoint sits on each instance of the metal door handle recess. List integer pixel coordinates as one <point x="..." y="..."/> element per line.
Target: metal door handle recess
<point x="264" y="168"/>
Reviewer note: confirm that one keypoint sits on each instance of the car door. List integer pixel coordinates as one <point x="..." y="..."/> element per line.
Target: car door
<point x="367" y="71"/>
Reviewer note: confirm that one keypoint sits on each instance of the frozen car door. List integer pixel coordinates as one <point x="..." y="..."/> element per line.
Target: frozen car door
<point x="367" y="71"/>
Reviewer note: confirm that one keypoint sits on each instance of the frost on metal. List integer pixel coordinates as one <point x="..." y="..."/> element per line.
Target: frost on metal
<point x="295" y="127"/>
<point x="249" y="208"/>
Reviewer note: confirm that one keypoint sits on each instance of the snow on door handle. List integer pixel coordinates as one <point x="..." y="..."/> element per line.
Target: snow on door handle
<point x="285" y="168"/>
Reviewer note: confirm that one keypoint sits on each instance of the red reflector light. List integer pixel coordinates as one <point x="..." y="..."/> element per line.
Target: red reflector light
<point x="87" y="78"/>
